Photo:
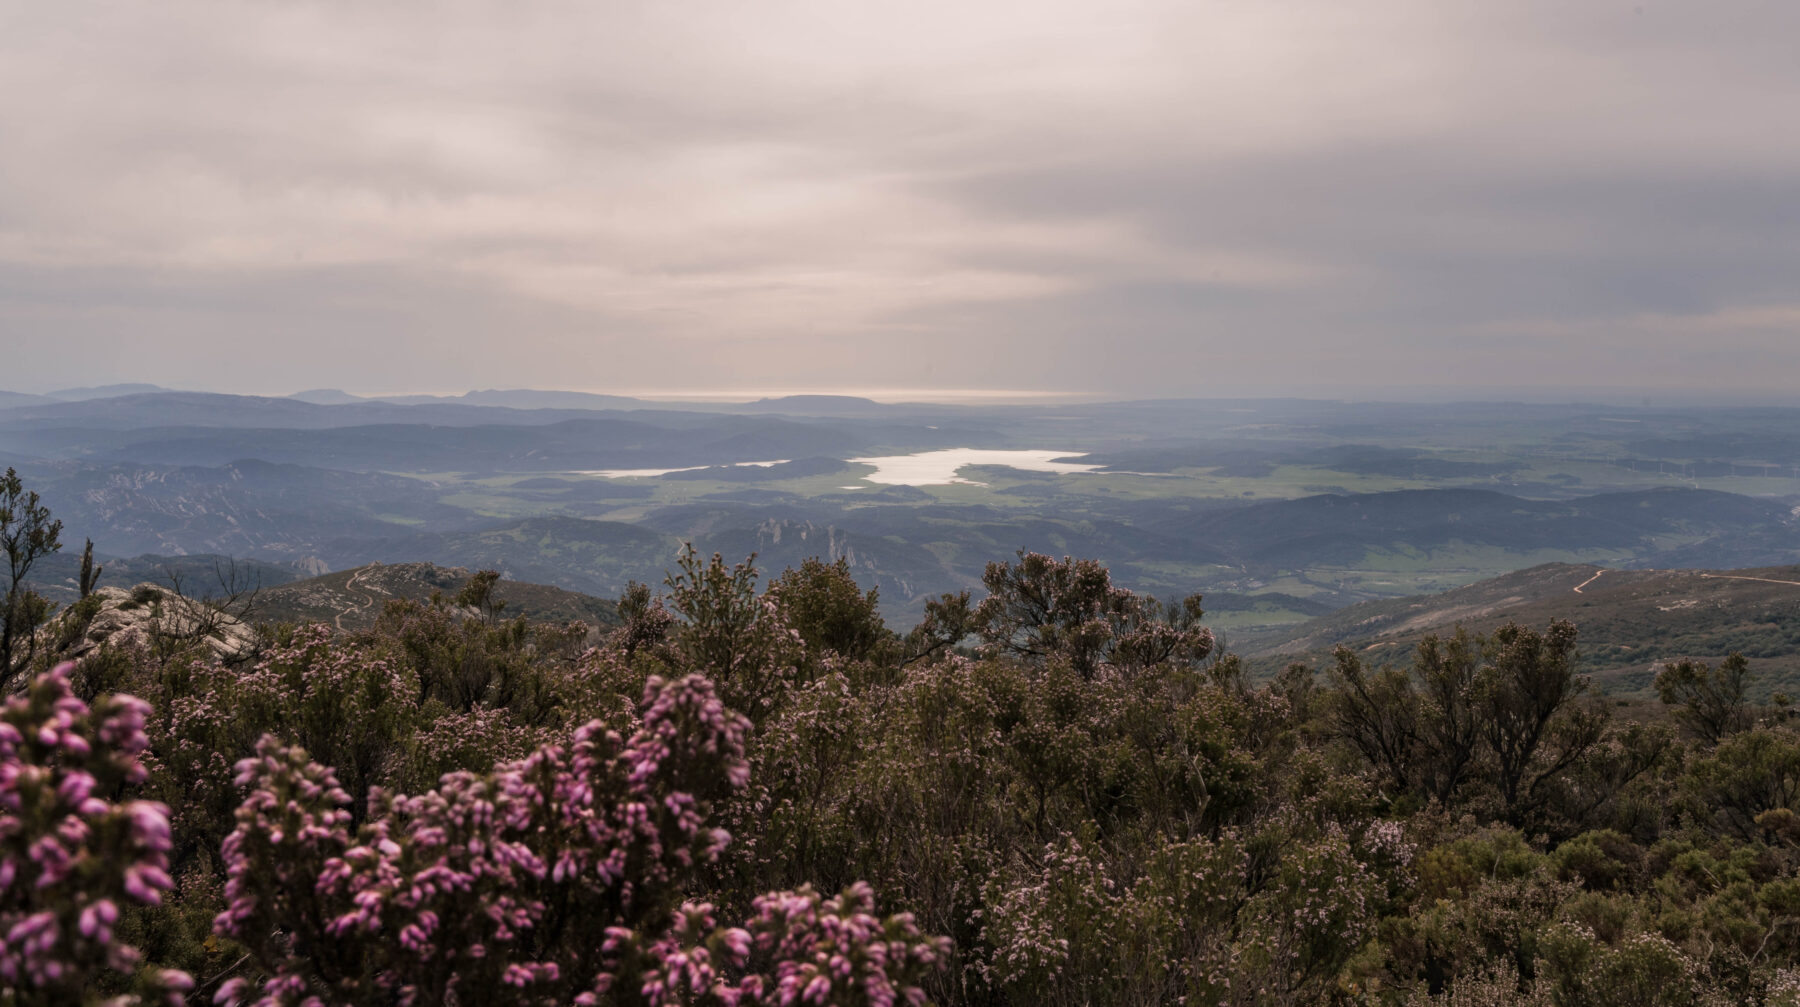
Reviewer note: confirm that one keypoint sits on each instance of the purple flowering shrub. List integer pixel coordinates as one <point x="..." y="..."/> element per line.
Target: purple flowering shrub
<point x="1050" y="927"/>
<point x="1200" y="919"/>
<point x="349" y="703"/>
<point x="558" y="878"/>
<point x="1319" y="908"/>
<point x="73" y="855"/>
<point x="790" y="822"/>
<point x="484" y="736"/>
<point x="465" y="664"/>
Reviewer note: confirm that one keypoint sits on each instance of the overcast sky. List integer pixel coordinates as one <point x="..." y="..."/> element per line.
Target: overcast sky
<point x="1116" y="197"/>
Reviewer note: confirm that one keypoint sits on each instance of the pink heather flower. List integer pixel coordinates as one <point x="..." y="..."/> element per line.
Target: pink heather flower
<point x="445" y="891"/>
<point x="98" y="917"/>
<point x="62" y="931"/>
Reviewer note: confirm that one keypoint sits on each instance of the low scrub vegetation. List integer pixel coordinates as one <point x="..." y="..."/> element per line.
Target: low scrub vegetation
<point x="1057" y="794"/>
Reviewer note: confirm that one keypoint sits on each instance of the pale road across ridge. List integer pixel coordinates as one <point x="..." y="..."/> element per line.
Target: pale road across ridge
<point x="1710" y="576"/>
<point x="1585" y="583"/>
<point x="1765" y="580"/>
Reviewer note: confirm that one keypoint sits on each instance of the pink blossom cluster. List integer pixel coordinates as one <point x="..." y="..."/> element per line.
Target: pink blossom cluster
<point x="71" y="859"/>
<point x="482" y="736"/>
<point x="290" y="826"/>
<point x="1032" y="915"/>
<point x="837" y="951"/>
<point x="555" y="879"/>
<point x="1386" y="842"/>
<point x="822" y="951"/>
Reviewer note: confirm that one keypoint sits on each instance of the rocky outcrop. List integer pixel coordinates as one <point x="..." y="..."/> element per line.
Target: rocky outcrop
<point x="146" y="614"/>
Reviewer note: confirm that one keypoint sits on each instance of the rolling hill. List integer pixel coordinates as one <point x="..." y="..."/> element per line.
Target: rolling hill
<point x="1334" y="528"/>
<point x="353" y="599"/>
<point x="241" y="508"/>
<point x="1631" y="621"/>
<point x="576" y="554"/>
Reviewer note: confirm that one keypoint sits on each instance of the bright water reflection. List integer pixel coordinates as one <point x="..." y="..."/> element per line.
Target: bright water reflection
<point x="648" y="473"/>
<point x="934" y="468"/>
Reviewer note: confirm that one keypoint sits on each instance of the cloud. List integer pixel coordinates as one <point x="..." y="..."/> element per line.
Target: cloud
<point x="1140" y="197"/>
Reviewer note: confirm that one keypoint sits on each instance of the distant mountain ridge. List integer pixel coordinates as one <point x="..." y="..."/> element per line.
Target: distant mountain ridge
<point x="327" y="397"/>
<point x="107" y="392"/>
<point x="244" y="508"/>
<point x="209" y="429"/>
<point x="213" y="410"/>
<point x="324" y="407"/>
<point x="10" y="400"/>
<point x="526" y="398"/>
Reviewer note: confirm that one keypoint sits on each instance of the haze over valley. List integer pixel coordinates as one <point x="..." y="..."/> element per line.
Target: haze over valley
<point x="1278" y="511"/>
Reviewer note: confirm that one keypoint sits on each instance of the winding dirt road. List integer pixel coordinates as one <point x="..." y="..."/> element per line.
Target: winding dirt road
<point x="369" y="603"/>
<point x="1709" y="576"/>
<point x="1765" y="580"/>
<point x="1585" y="583"/>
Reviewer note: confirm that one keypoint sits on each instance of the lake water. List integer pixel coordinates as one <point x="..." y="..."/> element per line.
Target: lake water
<point x="937" y="468"/>
<point x="927" y="468"/>
<point x="649" y="473"/>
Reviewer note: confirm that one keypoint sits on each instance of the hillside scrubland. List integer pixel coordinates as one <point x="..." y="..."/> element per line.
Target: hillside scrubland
<point x="1057" y="793"/>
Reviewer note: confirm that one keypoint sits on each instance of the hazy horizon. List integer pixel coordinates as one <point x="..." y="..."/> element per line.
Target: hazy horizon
<point x="1552" y="395"/>
<point x="1137" y="200"/>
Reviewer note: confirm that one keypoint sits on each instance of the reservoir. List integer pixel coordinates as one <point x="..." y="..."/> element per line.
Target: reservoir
<point x="936" y="468"/>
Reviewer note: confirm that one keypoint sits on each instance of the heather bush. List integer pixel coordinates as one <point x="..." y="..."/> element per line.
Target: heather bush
<point x="1499" y="987"/>
<point x="1041" y="609"/>
<point x="74" y="854"/>
<point x="1747" y="776"/>
<point x="349" y="703"/>
<point x="1049" y="928"/>
<point x="832" y="614"/>
<point x="793" y="818"/>
<point x="733" y="635"/>
<point x="464" y="664"/>
<point x="1709" y="702"/>
<point x="558" y="877"/>
<point x="1642" y="970"/>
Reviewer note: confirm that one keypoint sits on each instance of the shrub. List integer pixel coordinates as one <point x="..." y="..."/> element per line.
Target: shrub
<point x="71" y="857"/>
<point x="559" y="876"/>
